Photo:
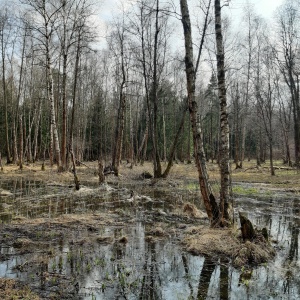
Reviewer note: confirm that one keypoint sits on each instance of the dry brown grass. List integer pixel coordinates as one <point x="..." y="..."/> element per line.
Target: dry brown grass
<point x="11" y="289"/>
<point x="224" y="242"/>
<point x="157" y="231"/>
<point x="207" y="241"/>
<point x="287" y="178"/>
<point x="191" y="210"/>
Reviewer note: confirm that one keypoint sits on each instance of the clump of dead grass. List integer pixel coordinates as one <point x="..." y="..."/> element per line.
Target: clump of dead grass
<point x="225" y="242"/>
<point x="157" y="231"/>
<point x="22" y="243"/>
<point x="207" y="241"/>
<point x="11" y="289"/>
<point x="191" y="210"/>
<point x="256" y="252"/>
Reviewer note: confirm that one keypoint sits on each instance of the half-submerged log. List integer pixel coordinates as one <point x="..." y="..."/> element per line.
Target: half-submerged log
<point x="248" y="231"/>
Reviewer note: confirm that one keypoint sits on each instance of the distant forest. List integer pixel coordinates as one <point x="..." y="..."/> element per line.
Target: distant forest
<point x="65" y="90"/>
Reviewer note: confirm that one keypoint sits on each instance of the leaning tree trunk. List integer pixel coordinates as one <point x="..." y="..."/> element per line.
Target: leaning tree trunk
<point x="224" y="127"/>
<point x="206" y="192"/>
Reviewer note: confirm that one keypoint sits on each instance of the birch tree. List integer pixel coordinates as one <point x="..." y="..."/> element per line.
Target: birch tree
<point x="45" y="15"/>
<point x="205" y="188"/>
<point x="224" y="126"/>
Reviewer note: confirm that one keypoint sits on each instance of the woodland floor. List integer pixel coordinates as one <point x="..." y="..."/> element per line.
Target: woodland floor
<point x="187" y="223"/>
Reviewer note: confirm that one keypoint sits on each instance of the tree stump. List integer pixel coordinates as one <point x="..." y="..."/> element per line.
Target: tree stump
<point x="247" y="229"/>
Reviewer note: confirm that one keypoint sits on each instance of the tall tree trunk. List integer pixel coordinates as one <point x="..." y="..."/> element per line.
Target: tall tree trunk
<point x="54" y="130"/>
<point x="15" y="147"/>
<point x="224" y="127"/>
<point x="156" y="156"/>
<point x="64" y="93"/>
<point x="3" y="51"/>
<point x="74" y="95"/>
<point x="207" y="195"/>
<point x="121" y="114"/>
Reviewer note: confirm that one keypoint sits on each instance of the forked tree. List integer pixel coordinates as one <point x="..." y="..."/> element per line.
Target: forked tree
<point x="218" y="215"/>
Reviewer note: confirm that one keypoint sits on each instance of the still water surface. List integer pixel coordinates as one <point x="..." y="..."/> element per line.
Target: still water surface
<point x="156" y="269"/>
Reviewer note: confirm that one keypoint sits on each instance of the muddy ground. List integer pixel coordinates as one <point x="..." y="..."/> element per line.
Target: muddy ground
<point x="182" y="220"/>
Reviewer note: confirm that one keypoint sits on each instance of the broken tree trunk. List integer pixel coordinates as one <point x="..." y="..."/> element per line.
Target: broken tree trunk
<point x="247" y="229"/>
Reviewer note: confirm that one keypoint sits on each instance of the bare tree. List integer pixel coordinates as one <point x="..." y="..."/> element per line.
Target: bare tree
<point x="5" y="30"/>
<point x="288" y="31"/>
<point x="120" y="38"/>
<point x="224" y="127"/>
<point x="205" y="188"/>
<point x="46" y="12"/>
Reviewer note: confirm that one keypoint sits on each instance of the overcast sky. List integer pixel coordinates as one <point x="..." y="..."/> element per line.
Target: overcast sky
<point x="263" y="7"/>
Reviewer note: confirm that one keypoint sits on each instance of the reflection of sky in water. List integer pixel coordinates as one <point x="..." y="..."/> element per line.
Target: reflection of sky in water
<point x="161" y="268"/>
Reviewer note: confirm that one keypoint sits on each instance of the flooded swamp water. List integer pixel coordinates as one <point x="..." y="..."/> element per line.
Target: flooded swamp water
<point x="113" y="244"/>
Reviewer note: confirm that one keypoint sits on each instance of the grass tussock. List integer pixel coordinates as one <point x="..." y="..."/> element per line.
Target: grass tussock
<point x="11" y="289"/>
<point x="191" y="210"/>
<point x="157" y="231"/>
<point x="225" y="242"/>
<point x="256" y="252"/>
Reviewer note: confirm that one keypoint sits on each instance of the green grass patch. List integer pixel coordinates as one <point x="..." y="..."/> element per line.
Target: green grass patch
<point x="240" y="190"/>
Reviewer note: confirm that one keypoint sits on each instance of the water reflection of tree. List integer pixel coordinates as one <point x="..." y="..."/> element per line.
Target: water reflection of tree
<point x="208" y="268"/>
<point x="150" y="284"/>
<point x="187" y="275"/>
<point x="224" y="282"/>
<point x="294" y="246"/>
<point x="205" y="277"/>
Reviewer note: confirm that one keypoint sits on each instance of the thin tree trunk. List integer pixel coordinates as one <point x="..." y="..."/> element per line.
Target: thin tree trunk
<point x="52" y="115"/>
<point x="36" y="130"/>
<point x="121" y="115"/>
<point x="21" y="142"/>
<point x="3" y="48"/>
<point x="207" y="195"/>
<point x="173" y="148"/>
<point x="100" y="171"/>
<point x="156" y="156"/>
<point x="1" y="166"/>
<point x="74" y="95"/>
<point x="76" y="180"/>
<point x="224" y="127"/>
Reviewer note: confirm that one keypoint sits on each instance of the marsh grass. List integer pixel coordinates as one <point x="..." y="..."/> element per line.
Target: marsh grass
<point x="12" y="289"/>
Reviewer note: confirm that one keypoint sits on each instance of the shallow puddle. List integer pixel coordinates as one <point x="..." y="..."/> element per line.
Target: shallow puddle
<point x="143" y="267"/>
